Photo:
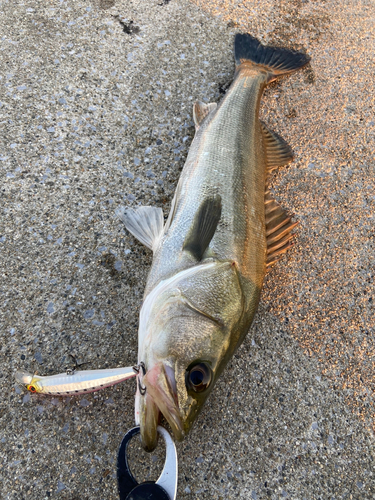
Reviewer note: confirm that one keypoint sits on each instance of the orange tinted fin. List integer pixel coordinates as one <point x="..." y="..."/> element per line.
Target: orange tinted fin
<point x="278" y="230"/>
<point x="278" y="152"/>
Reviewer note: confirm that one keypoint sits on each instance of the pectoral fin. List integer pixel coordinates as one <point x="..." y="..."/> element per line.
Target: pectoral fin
<point x="145" y="223"/>
<point x="204" y="227"/>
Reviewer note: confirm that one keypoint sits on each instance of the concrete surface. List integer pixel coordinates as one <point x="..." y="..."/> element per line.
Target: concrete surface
<point x="96" y="111"/>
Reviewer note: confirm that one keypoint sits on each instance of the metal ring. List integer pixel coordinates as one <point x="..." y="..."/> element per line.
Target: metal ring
<point x="137" y="368"/>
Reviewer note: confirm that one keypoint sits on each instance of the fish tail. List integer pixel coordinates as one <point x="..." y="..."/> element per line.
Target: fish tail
<point x="276" y="61"/>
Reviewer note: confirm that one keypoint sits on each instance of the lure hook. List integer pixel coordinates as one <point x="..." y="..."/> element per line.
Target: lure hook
<point x="137" y="369"/>
<point x="71" y="371"/>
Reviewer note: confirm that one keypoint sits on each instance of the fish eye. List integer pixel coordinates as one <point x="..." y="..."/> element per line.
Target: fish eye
<point x="31" y="388"/>
<point x="198" y="377"/>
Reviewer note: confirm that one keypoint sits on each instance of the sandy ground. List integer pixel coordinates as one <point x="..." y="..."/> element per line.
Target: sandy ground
<point x="96" y="112"/>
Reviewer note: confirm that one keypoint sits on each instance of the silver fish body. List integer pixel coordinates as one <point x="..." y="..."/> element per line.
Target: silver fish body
<point x="211" y="256"/>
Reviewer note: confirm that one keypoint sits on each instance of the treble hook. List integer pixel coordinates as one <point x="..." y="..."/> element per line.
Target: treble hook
<point x="71" y="371"/>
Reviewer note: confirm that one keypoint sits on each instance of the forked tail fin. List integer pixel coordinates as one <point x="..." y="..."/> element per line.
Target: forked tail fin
<point x="274" y="60"/>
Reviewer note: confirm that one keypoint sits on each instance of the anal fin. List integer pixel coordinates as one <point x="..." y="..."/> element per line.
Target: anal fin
<point x="145" y="223"/>
<point x="278" y="152"/>
<point x="279" y="229"/>
<point x="203" y="227"/>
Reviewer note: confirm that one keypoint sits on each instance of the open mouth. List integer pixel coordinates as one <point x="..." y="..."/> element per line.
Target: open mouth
<point x="161" y="396"/>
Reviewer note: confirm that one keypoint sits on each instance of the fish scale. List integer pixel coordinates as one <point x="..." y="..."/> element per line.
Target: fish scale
<point x="221" y="161"/>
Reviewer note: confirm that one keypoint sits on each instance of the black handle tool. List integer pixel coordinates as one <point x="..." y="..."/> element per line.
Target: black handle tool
<point x="165" y="488"/>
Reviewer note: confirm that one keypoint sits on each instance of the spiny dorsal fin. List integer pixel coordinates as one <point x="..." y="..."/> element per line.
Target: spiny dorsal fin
<point x="145" y="223"/>
<point x="278" y="230"/>
<point x="203" y="227"/>
<point x="278" y="152"/>
<point x="201" y="110"/>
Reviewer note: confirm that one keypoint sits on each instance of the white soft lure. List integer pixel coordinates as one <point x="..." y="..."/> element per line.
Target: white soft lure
<point x="75" y="382"/>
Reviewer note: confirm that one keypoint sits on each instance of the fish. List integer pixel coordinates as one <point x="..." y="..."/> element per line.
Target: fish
<point x="222" y="235"/>
<point x="74" y="382"/>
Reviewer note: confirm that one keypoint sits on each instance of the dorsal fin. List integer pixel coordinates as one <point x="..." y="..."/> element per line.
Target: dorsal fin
<point x="145" y="223"/>
<point x="203" y="227"/>
<point x="201" y="110"/>
<point x="278" y="152"/>
<point x="278" y="230"/>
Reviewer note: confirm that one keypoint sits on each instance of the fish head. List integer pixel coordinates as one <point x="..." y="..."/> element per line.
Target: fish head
<point x="178" y="379"/>
<point x="186" y="344"/>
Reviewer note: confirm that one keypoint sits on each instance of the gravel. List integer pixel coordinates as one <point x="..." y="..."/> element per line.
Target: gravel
<point x="96" y="112"/>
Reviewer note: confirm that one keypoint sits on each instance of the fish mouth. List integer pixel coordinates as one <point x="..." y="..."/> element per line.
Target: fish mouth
<point x="161" y="396"/>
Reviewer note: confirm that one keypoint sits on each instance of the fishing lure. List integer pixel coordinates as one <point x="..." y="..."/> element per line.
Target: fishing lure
<point x="74" y="382"/>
